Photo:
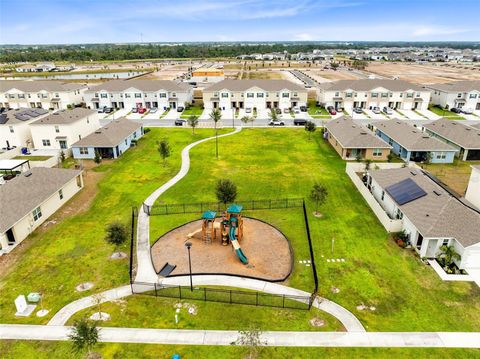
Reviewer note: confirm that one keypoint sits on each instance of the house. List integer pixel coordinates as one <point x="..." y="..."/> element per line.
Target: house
<point x="368" y="93"/>
<point x="110" y="141"/>
<point x="353" y="141"/>
<point x="30" y="198"/>
<point x="462" y="137"/>
<point x="15" y="126"/>
<point x="61" y="129"/>
<point x="431" y="215"/>
<point x="473" y="189"/>
<point x="254" y="94"/>
<point x="41" y="94"/>
<point x="208" y="74"/>
<point x="411" y="144"/>
<point x="139" y="93"/>
<point x="459" y="94"/>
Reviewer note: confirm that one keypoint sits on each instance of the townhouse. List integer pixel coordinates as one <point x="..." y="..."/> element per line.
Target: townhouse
<point x="254" y="95"/>
<point x="430" y="214"/>
<point x="15" y="127"/>
<point x="396" y="94"/>
<point x="459" y="94"/>
<point x="61" y="129"/>
<point x="465" y="139"/>
<point x="353" y="141"/>
<point x="55" y="95"/>
<point x="139" y="93"/>
<point x="412" y="144"/>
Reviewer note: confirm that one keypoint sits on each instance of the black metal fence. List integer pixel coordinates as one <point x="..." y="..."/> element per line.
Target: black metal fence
<point x="248" y="205"/>
<point x="133" y="235"/>
<point x="230" y="296"/>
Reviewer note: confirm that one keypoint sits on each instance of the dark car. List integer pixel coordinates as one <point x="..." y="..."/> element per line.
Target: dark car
<point x="358" y="110"/>
<point x="299" y="122"/>
<point x="303" y="108"/>
<point x="108" y="109"/>
<point x="180" y="109"/>
<point x="455" y="110"/>
<point x="179" y="122"/>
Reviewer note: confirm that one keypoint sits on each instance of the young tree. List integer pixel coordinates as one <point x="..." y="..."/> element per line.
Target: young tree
<point x="226" y="191"/>
<point x="318" y="194"/>
<point x="216" y="116"/>
<point x="368" y="162"/>
<point x="117" y="233"/>
<point x="84" y="335"/>
<point x="97" y="159"/>
<point x="310" y="127"/>
<point x="245" y="119"/>
<point x="62" y="156"/>
<point x="193" y="122"/>
<point x="252" y="340"/>
<point x="334" y="66"/>
<point x="164" y="150"/>
<point x="272" y="115"/>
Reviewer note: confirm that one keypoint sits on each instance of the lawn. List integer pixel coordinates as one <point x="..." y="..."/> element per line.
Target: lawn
<point x="33" y="158"/>
<point x="317" y="111"/>
<point x="445" y="113"/>
<point x="193" y="110"/>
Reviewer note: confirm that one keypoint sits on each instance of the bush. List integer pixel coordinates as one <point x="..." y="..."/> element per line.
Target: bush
<point x="226" y="191"/>
<point x="117" y="233"/>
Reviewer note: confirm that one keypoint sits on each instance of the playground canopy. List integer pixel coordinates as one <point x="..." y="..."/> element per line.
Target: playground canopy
<point x="209" y="215"/>
<point x="235" y="208"/>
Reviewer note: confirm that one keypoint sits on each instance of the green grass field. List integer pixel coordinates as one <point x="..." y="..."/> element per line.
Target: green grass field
<point x="445" y="113"/>
<point x="193" y="110"/>
<point x="317" y="111"/>
<point x="32" y="158"/>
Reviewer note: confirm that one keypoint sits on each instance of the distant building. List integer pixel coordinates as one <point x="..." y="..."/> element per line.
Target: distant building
<point x="207" y="75"/>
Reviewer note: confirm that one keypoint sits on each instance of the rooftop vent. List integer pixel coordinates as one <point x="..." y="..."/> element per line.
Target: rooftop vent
<point x="413" y="173"/>
<point x="363" y="133"/>
<point x="27" y="173"/>
<point x="436" y="192"/>
<point x="98" y="131"/>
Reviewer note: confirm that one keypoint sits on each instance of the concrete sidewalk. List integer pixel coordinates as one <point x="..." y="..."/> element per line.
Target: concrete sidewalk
<point x="271" y="338"/>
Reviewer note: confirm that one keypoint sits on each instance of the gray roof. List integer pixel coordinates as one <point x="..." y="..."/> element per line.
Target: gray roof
<point x="411" y="138"/>
<point x="142" y="85"/>
<point x="37" y="86"/>
<point x="367" y="85"/>
<point x="21" y="195"/>
<point x="244" y="85"/>
<point x="437" y="216"/>
<point x="109" y="135"/>
<point x="456" y="132"/>
<point x="21" y="115"/>
<point x="64" y="117"/>
<point x="353" y="135"/>
<point x="458" y="86"/>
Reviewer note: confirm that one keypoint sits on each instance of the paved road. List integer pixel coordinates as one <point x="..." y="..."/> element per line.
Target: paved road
<point x="308" y="81"/>
<point x="224" y="337"/>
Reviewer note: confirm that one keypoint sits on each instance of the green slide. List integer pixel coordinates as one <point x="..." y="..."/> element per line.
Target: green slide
<point x="236" y="245"/>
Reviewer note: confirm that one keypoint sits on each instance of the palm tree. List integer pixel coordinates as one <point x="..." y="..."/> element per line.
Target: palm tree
<point x="448" y="255"/>
<point x="84" y="335"/>
<point x="318" y="194"/>
<point x="216" y="116"/>
<point x="193" y="122"/>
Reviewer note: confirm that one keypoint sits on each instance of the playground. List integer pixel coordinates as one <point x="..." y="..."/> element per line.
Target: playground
<point x="226" y="243"/>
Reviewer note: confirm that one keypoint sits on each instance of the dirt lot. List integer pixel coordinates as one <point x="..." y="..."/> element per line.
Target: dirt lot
<point x="267" y="250"/>
<point x="425" y="74"/>
<point x="330" y="75"/>
<point x="455" y="176"/>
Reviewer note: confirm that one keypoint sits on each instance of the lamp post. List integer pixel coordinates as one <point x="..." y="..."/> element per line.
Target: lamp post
<point x="189" y="245"/>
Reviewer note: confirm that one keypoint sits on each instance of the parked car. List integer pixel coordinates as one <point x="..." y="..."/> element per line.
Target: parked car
<point x="376" y="110"/>
<point x="101" y="109"/>
<point x="248" y="110"/>
<point x="299" y="122"/>
<point x="179" y="122"/>
<point x="142" y="110"/>
<point x="108" y="109"/>
<point x="276" y="123"/>
<point x="387" y="111"/>
<point x="278" y="111"/>
<point x="467" y="111"/>
<point x="134" y="110"/>
<point x="456" y="110"/>
<point x="303" y="108"/>
<point x="153" y="110"/>
<point x="286" y="110"/>
<point x="296" y="110"/>
<point x="331" y="110"/>
<point x="180" y="109"/>
<point x="357" y="110"/>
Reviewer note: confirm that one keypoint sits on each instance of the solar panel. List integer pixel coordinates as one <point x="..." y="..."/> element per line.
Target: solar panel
<point x="3" y="119"/>
<point x="22" y="117"/>
<point x="31" y="113"/>
<point x="40" y="111"/>
<point x="405" y="191"/>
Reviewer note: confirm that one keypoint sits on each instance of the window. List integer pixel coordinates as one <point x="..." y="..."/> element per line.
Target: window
<point x="37" y="214"/>
<point x="348" y="94"/>
<point x="417" y="94"/>
<point x="383" y="195"/>
<point x="260" y="94"/>
<point x="83" y="150"/>
<point x="384" y="94"/>
<point x="337" y="94"/>
<point x="250" y="94"/>
<point x="44" y="96"/>
<point x="401" y="94"/>
<point x="459" y="95"/>
<point x="441" y="155"/>
<point x="295" y="94"/>
<point x="390" y="141"/>
<point x="46" y="142"/>
<point x="29" y="96"/>
<point x="285" y="95"/>
<point x="445" y="242"/>
<point x="57" y="129"/>
<point x="56" y="95"/>
<point x="377" y="152"/>
<point x="174" y="94"/>
<point x="374" y="94"/>
<point x="410" y="95"/>
<point x="21" y="95"/>
<point x="138" y="95"/>
<point x="127" y="95"/>
<point x="399" y="214"/>
<point x="60" y="194"/>
<point x="126" y="142"/>
<point x="390" y="94"/>
<point x="63" y="144"/>
<point x="11" y="129"/>
<point x="473" y="95"/>
<point x="224" y="94"/>
<point x="103" y="95"/>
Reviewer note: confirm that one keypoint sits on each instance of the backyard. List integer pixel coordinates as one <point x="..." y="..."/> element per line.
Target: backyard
<point x="445" y="113"/>
<point x="193" y="110"/>
<point x="317" y="111"/>
<point x="455" y="175"/>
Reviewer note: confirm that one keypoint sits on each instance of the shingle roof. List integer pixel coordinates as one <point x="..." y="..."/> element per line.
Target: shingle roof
<point x="456" y="132"/>
<point x="243" y="85"/>
<point x="64" y="117"/>
<point x="142" y="85"/>
<point x="37" y="86"/>
<point x="109" y="135"/>
<point x="367" y="85"/>
<point x="438" y="216"/>
<point x="352" y="135"/>
<point x="410" y="137"/>
<point x="22" y="195"/>
<point x="457" y="86"/>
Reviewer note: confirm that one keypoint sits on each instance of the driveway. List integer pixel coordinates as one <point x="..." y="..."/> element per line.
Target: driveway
<point x="115" y="115"/>
<point x="429" y="114"/>
<point x="375" y="116"/>
<point x="412" y="115"/>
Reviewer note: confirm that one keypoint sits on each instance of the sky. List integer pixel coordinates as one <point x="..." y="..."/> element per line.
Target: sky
<point x="101" y="21"/>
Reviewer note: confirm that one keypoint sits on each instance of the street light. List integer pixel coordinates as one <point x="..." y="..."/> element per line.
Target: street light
<point x="189" y="245"/>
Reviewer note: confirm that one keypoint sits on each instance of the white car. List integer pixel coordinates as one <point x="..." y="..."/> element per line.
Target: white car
<point x="387" y="110"/>
<point x="467" y="111"/>
<point x="296" y="110"/>
<point x="276" y="123"/>
<point x="248" y="110"/>
<point x="376" y="110"/>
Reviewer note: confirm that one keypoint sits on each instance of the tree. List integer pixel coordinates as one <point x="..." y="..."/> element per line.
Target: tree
<point x="97" y="159"/>
<point x="334" y="66"/>
<point x="318" y="194"/>
<point x="117" y="233"/>
<point x="84" y="335"/>
<point x="368" y="162"/>
<point x="226" y="191"/>
<point x="216" y="116"/>
<point x="252" y="339"/>
<point x="193" y="122"/>
<point x="447" y="256"/>
<point x="245" y="119"/>
<point x="164" y="150"/>
<point x="272" y="115"/>
<point x="310" y="127"/>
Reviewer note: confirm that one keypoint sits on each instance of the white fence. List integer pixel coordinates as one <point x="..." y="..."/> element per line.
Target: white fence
<point x="391" y="225"/>
<point x="7" y="155"/>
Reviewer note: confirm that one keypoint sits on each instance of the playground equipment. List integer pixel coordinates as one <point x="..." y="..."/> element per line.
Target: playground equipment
<point x="230" y="227"/>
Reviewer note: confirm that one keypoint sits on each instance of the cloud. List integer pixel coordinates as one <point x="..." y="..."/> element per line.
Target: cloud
<point x="304" y="36"/>
<point x="437" y="31"/>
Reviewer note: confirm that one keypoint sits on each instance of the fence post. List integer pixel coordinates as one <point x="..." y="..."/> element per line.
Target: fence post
<point x="205" y="294"/>
<point x="180" y="291"/>
<point x="155" y="286"/>
<point x="256" y="301"/>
